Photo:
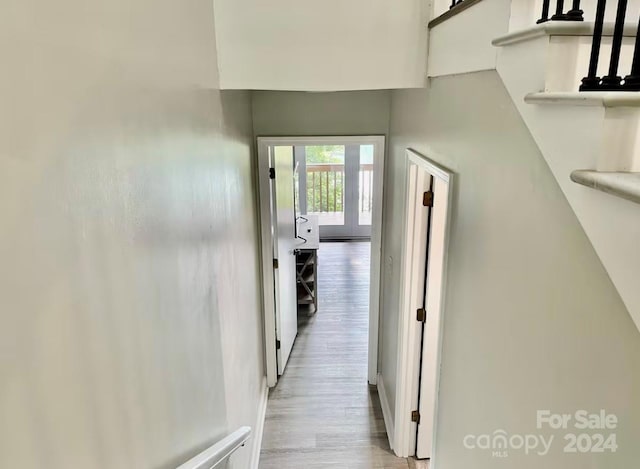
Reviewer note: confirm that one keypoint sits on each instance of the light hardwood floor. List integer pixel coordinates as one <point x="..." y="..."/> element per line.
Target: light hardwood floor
<point x="322" y="413"/>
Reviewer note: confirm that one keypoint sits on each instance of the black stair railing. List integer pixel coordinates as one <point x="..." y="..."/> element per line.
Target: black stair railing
<point x="632" y="81"/>
<point x="575" y="14"/>
<point x="559" y="15"/>
<point x="612" y="81"/>
<point x="592" y="81"/>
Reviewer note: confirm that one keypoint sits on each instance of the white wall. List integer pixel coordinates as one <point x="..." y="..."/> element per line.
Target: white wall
<point x="129" y="302"/>
<point x="321" y="45"/>
<point x="462" y="43"/>
<point x="532" y="321"/>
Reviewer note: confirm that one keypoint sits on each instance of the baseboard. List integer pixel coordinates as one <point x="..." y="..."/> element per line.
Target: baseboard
<point x="386" y="410"/>
<point x="256" y="444"/>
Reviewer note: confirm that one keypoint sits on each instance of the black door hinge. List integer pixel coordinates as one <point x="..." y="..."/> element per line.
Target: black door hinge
<point x="427" y="199"/>
<point x="277" y="345"/>
<point x="421" y="315"/>
<point x="415" y="416"/>
<point x="272" y="173"/>
<point x="275" y="263"/>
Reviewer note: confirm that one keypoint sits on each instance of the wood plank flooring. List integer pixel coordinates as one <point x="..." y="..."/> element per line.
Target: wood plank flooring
<point x="322" y="413"/>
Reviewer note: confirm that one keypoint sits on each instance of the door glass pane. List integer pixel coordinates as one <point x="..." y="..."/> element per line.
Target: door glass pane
<point x="365" y="186"/>
<point x="325" y="183"/>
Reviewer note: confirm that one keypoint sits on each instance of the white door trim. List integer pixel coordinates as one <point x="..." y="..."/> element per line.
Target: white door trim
<point x="409" y="346"/>
<point x="268" y="278"/>
<point x="263" y="144"/>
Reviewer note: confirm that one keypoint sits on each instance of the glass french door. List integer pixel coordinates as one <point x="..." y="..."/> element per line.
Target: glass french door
<point x="335" y="182"/>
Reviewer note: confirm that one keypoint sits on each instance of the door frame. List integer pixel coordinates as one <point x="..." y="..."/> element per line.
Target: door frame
<point x="268" y="282"/>
<point x="409" y="340"/>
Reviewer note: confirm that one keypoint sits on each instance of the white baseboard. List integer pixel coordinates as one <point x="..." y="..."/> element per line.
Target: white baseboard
<point x="256" y="445"/>
<point x="386" y="410"/>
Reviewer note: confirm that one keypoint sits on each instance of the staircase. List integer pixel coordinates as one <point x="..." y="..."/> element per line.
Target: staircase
<point x="589" y="139"/>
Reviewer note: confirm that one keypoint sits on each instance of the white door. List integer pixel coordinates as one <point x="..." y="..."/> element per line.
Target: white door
<point x="433" y="302"/>
<point x="284" y="242"/>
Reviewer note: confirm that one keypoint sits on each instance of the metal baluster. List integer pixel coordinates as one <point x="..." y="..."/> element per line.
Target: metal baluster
<point x="575" y="14"/>
<point x="559" y="16"/>
<point x="592" y="81"/>
<point x="453" y="3"/>
<point x="612" y="81"/>
<point x="545" y="12"/>
<point x="632" y="81"/>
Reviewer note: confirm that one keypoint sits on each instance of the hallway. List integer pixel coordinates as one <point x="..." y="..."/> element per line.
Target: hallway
<point x="322" y="413"/>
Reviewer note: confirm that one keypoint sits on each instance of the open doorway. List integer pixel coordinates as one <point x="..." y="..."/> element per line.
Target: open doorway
<point x="316" y="189"/>
<point x="321" y="410"/>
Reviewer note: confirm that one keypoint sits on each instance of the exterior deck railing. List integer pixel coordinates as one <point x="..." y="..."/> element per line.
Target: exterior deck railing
<point x="326" y="188"/>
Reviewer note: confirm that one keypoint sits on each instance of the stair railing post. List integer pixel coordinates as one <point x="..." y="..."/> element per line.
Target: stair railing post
<point x="545" y="12"/>
<point x="612" y="80"/>
<point x="592" y="81"/>
<point x="632" y="81"/>
<point x="575" y="14"/>
<point x="559" y="16"/>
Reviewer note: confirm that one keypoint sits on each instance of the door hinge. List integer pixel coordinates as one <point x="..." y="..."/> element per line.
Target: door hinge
<point x="275" y="263"/>
<point x="421" y="315"/>
<point x="277" y="345"/>
<point x="415" y="416"/>
<point x="427" y="199"/>
<point x="272" y="173"/>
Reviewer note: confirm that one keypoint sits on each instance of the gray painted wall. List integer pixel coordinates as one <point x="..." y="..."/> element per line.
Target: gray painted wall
<point x="130" y="324"/>
<point x="532" y="320"/>
<point x="317" y="114"/>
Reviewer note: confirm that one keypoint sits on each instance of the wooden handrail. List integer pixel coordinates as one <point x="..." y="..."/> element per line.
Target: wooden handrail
<point x="458" y="8"/>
